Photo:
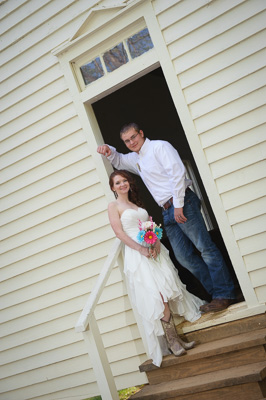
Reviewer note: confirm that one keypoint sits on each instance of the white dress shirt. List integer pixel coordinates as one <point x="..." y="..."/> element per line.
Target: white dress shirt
<point x="159" y="166"/>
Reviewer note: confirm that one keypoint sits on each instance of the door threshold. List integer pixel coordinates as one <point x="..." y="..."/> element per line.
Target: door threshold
<point x="232" y="313"/>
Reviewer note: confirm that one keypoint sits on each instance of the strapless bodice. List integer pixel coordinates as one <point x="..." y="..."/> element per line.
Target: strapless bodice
<point x="130" y="221"/>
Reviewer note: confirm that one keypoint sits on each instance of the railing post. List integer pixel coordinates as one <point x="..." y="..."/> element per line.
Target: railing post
<point x="99" y="360"/>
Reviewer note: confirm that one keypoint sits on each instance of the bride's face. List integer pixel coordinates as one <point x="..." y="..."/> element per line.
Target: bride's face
<point x="120" y="184"/>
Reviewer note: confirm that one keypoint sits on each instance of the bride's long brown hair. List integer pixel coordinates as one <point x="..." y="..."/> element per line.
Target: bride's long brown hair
<point x="133" y="194"/>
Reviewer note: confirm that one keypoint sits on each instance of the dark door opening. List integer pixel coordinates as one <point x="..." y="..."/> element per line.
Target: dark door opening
<point x="147" y="101"/>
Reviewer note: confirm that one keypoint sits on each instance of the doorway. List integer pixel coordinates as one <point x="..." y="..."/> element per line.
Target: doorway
<point x="147" y="101"/>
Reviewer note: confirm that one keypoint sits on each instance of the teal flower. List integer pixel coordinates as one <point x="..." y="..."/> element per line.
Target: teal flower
<point x="158" y="232"/>
<point x="140" y="236"/>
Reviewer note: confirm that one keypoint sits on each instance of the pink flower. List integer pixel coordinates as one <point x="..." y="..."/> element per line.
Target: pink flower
<point x="150" y="237"/>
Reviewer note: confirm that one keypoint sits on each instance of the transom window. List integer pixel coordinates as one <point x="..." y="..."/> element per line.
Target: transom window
<point x="117" y="56"/>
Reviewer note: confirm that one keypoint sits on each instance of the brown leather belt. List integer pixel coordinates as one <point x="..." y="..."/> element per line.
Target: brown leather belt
<point x="168" y="204"/>
<point x="170" y="201"/>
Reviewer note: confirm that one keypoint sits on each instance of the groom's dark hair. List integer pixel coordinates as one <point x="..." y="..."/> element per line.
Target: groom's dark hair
<point x="128" y="126"/>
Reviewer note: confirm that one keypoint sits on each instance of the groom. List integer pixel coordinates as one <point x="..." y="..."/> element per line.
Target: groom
<point x="162" y="171"/>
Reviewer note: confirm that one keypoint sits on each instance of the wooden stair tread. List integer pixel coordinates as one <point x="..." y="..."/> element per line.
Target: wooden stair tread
<point x="216" y="347"/>
<point x="213" y="380"/>
<point x="224" y="330"/>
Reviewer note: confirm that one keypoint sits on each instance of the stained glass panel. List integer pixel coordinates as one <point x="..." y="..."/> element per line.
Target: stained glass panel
<point x="115" y="57"/>
<point x="139" y="43"/>
<point x="92" y="71"/>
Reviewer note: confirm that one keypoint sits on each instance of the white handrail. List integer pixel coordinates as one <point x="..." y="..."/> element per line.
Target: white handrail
<point x="89" y="307"/>
<point x="87" y="324"/>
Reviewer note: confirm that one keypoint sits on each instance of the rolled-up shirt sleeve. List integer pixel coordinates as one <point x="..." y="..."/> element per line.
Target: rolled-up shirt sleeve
<point x="123" y="161"/>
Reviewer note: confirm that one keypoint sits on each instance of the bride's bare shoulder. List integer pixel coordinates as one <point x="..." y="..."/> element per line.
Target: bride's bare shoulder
<point x="113" y="205"/>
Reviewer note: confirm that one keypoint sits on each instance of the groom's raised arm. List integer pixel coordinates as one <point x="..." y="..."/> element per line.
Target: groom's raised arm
<point x="119" y="160"/>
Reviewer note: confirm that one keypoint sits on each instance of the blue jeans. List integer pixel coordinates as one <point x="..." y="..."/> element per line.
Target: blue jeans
<point x="209" y="268"/>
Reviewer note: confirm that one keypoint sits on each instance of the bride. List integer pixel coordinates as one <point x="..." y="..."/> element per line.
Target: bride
<point x="153" y="282"/>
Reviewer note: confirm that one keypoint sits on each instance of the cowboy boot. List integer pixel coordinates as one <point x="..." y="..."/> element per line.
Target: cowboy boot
<point x="186" y="345"/>
<point x="172" y="337"/>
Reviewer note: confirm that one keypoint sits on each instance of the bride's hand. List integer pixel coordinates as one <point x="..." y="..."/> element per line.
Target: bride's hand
<point x="153" y="252"/>
<point x="158" y="246"/>
<point x="145" y="251"/>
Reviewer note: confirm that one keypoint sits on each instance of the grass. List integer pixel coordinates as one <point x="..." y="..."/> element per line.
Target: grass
<point x="123" y="394"/>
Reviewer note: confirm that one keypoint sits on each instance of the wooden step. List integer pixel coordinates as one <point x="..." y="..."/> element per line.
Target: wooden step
<point x="225" y="330"/>
<point x="239" y="350"/>
<point x="246" y="383"/>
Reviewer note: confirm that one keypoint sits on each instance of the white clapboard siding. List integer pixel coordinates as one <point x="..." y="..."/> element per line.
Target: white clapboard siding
<point x="258" y="277"/>
<point x="231" y="110"/>
<point x="25" y="75"/>
<point x="55" y="290"/>
<point x="214" y="27"/>
<point x="18" y="16"/>
<point x="250" y="227"/>
<point x="239" y="160"/>
<point x="261" y="293"/>
<point x="251" y="209"/>
<point x="218" y="44"/>
<point x="233" y="145"/>
<point x="51" y="121"/>
<point x="161" y="6"/>
<point x="45" y="162"/>
<point x="244" y="194"/>
<point x="222" y="60"/>
<point x="39" y="142"/>
<point x="34" y="100"/>
<point x="77" y="393"/>
<point x="9" y="7"/>
<point x="256" y="261"/>
<point x="114" y="307"/>
<point x="232" y="73"/>
<point x="35" y="114"/>
<point x="229" y="93"/>
<point x="79" y="365"/>
<point x="39" y="334"/>
<point x="51" y="211"/>
<point x="41" y="81"/>
<point x="242" y="177"/>
<point x="36" y="187"/>
<point x="176" y="12"/>
<point x="22" y="234"/>
<point x="27" y="19"/>
<point x="92" y="225"/>
<point x="242" y="123"/>
<point x="42" y="30"/>
<point x="39" y="201"/>
<point x="34" y="377"/>
<point x="252" y="244"/>
<point x="73" y="342"/>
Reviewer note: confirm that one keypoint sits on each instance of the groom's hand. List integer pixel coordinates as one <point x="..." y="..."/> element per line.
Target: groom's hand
<point x="104" y="150"/>
<point x="179" y="216"/>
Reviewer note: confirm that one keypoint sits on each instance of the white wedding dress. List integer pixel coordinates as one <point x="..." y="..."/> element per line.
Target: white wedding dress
<point x="146" y="279"/>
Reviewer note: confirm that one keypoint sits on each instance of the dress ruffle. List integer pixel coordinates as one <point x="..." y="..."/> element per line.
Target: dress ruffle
<point x="147" y="280"/>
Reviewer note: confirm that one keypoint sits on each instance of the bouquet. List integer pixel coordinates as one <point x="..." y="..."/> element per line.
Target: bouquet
<point x="149" y="232"/>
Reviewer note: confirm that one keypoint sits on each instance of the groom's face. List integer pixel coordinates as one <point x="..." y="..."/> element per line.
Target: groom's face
<point x="133" y="139"/>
